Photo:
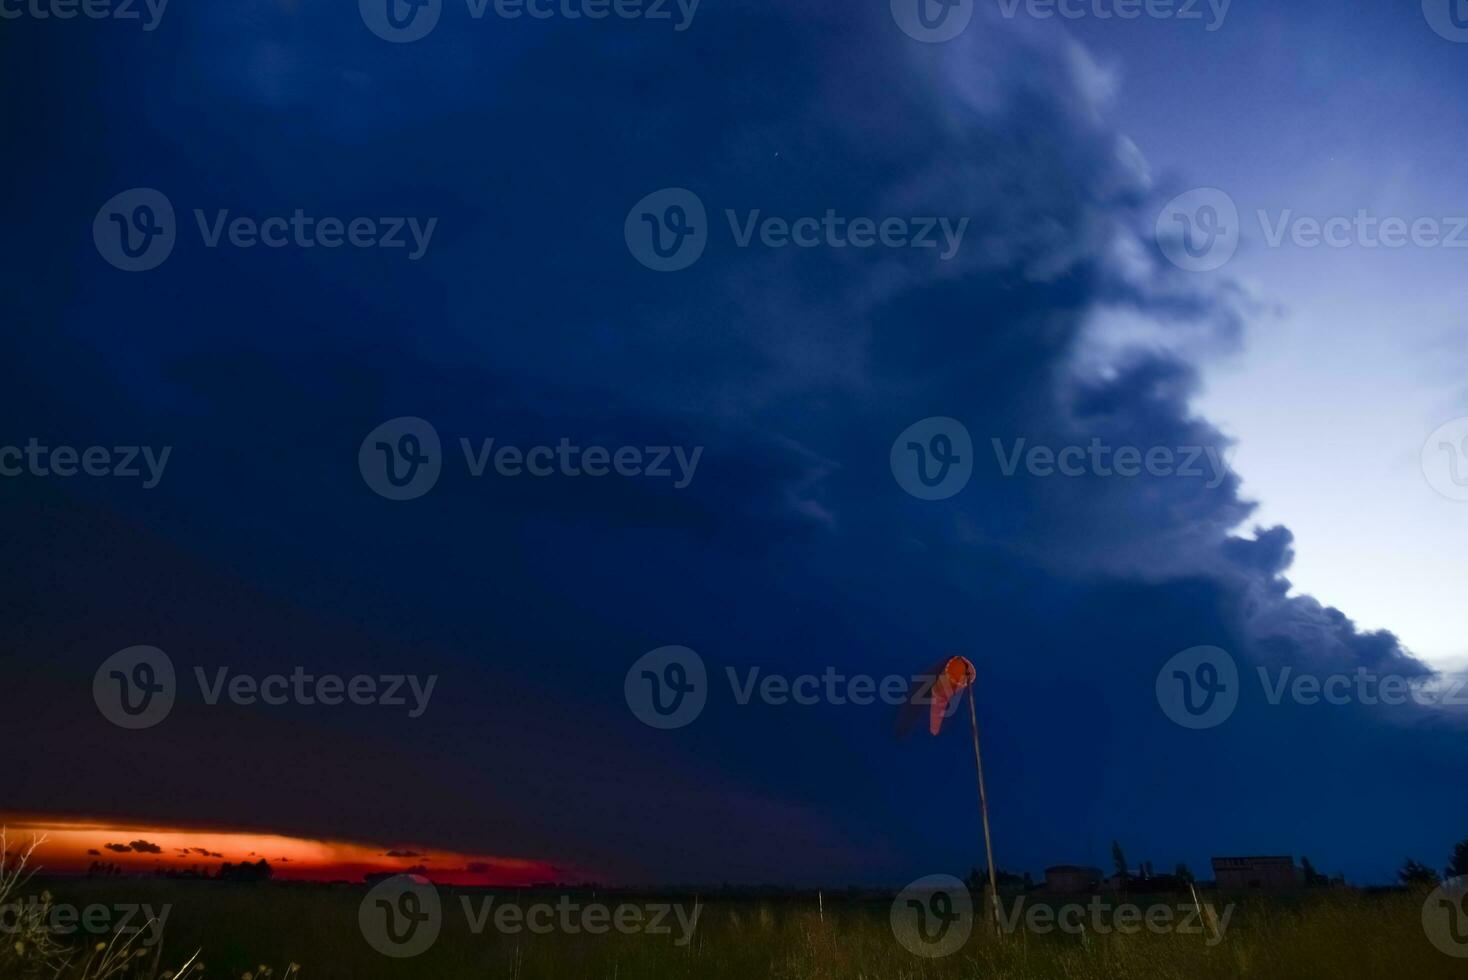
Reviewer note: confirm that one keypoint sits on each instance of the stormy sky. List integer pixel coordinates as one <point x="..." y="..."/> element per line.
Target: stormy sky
<point x="794" y="547"/>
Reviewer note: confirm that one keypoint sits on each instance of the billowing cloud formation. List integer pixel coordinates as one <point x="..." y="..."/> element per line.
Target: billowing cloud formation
<point x="1055" y="324"/>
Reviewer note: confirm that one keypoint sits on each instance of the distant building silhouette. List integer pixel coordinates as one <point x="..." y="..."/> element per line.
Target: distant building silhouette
<point x="1249" y="873"/>
<point x="1072" y="879"/>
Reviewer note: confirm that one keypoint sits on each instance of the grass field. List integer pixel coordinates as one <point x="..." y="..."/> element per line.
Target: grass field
<point x="1331" y="936"/>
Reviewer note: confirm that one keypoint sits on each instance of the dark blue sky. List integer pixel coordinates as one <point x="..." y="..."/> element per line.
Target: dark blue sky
<point x="793" y="548"/>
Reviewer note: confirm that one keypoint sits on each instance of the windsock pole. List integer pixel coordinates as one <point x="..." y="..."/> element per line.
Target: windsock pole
<point x="973" y="721"/>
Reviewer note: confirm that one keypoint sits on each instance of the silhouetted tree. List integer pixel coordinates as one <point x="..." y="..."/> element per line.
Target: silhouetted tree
<point x="1184" y="873"/>
<point x="1416" y="873"/>
<point x="1118" y="860"/>
<point x="245" y="871"/>
<point x="1459" y="864"/>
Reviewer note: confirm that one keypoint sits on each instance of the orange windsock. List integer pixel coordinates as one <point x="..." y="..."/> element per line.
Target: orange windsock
<point x="957" y="674"/>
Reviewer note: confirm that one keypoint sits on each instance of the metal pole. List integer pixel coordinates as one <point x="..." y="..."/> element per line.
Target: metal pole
<point x="973" y="720"/>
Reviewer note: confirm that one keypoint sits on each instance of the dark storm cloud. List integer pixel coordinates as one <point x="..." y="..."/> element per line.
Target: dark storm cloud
<point x="793" y="548"/>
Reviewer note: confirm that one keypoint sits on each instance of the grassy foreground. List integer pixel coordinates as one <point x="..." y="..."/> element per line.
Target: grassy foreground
<point x="1333" y="936"/>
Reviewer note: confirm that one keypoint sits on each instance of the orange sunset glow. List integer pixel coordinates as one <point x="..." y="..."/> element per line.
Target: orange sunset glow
<point x="71" y="846"/>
